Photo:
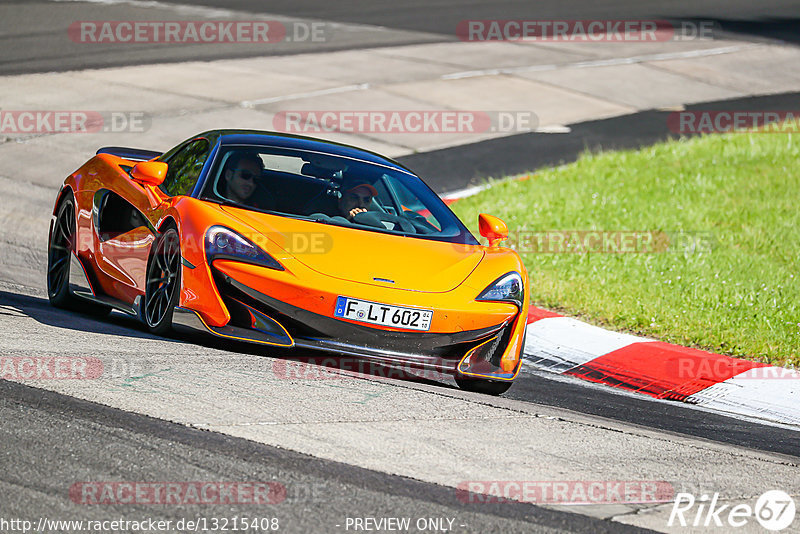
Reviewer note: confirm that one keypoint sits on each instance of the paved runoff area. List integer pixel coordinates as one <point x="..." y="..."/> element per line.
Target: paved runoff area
<point x="417" y="430"/>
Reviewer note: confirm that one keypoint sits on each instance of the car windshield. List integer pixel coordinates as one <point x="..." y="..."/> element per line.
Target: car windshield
<point x="331" y="189"/>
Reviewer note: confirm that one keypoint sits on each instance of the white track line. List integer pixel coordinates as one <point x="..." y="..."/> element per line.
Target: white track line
<point x="600" y="62"/>
<point x="296" y="96"/>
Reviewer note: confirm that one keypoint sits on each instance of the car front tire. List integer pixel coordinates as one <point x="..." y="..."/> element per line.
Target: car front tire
<point x="163" y="283"/>
<point x="487" y="387"/>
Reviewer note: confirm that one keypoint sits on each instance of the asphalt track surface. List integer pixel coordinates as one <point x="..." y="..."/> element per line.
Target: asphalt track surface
<point x="50" y="441"/>
<point x="32" y="31"/>
<point x="769" y="19"/>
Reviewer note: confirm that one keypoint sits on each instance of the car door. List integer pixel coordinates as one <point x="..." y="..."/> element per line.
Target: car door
<point x="126" y="218"/>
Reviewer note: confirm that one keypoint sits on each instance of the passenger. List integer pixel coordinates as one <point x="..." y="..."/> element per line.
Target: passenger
<point x="241" y="178"/>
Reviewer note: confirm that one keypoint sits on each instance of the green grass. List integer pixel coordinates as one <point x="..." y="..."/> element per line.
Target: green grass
<point x="741" y="297"/>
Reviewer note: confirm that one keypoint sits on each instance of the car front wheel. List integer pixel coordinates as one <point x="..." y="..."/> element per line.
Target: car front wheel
<point x="163" y="283"/>
<point x="487" y="387"/>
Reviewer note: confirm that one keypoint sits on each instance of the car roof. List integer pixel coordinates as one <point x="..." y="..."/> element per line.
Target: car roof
<point x="299" y="142"/>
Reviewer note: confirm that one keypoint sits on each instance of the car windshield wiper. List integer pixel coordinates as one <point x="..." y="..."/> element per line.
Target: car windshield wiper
<point x="232" y="204"/>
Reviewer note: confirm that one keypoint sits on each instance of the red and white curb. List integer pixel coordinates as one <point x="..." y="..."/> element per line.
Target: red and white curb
<point x="567" y="346"/>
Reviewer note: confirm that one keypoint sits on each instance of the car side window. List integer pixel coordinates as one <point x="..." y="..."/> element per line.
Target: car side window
<point x="185" y="167"/>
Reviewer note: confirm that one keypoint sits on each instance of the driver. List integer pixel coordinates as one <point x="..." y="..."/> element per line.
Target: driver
<point x="357" y="195"/>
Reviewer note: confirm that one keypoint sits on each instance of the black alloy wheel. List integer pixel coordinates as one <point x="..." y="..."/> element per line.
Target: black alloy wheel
<point x="163" y="283"/>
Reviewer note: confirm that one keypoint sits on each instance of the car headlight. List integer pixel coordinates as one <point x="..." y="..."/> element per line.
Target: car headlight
<point x="507" y="288"/>
<point x="225" y="244"/>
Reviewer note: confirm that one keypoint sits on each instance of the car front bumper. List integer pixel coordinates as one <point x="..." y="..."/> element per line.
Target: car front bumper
<point x="489" y="352"/>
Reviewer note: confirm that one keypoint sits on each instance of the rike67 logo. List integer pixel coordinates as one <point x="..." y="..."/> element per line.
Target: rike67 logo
<point x="774" y="510"/>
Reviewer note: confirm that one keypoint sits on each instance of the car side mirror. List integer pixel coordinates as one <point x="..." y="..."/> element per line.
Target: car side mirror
<point x="149" y="172"/>
<point x="492" y="228"/>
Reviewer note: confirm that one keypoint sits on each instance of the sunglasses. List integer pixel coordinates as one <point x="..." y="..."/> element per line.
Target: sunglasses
<point x="246" y="175"/>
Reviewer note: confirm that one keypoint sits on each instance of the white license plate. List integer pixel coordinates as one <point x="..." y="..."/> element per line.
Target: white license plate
<point x="383" y="314"/>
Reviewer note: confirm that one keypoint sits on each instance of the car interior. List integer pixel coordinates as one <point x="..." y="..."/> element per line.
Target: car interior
<point x="309" y="186"/>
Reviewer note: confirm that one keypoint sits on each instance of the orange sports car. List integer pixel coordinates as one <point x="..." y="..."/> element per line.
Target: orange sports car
<point x="288" y="241"/>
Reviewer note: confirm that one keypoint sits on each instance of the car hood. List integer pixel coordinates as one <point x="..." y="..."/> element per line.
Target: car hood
<point x="365" y="256"/>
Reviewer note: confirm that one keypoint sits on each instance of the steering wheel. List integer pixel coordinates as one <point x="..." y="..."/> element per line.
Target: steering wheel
<point x="387" y="221"/>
